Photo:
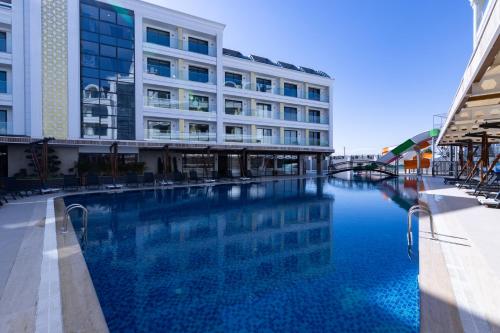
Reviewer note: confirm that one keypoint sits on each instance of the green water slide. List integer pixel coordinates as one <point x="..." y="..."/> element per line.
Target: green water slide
<point x="408" y="145"/>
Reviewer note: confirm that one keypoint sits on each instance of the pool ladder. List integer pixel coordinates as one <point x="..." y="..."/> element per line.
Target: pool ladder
<point x="418" y="209"/>
<point x="85" y="215"/>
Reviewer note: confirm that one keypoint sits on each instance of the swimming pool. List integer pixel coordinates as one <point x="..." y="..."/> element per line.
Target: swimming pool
<point x="300" y="255"/>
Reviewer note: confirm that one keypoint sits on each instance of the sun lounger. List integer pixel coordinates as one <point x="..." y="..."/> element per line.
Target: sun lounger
<point x="92" y="181"/>
<point x="132" y="180"/>
<point x="71" y="182"/>
<point x="148" y="178"/>
<point x="490" y="202"/>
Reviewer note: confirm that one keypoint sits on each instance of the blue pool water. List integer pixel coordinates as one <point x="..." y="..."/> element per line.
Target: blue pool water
<point x="313" y="255"/>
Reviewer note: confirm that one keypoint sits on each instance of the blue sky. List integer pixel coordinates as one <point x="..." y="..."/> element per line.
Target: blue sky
<point x="395" y="62"/>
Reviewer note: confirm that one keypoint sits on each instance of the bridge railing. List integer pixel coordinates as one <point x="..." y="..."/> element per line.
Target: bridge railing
<point x="361" y="165"/>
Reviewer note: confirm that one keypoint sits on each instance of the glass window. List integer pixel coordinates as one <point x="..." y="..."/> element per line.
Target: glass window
<point x="89" y="11"/>
<point x="108" y="51"/>
<point x="3" y="82"/>
<point x="234" y="134"/>
<point x="3" y="41"/>
<point x="159" y="129"/>
<point x="199" y="132"/>
<point x="89" y="47"/>
<point x="233" y="107"/>
<point x="197" y="45"/>
<point x="3" y="116"/>
<point x="314" y="138"/>
<point x="158" y="98"/>
<point x="264" y="135"/>
<point x="90" y="25"/>
<point x="198" y="103"/>
<point x="198" y="74"/>
<point x="263" y="85"/>
<point x="291" y="137"/>
<point x="314" y="116"/>
<point x="263" y="110"/>
<point x="90" y="36"/>
<point x="125" y="19"/>
<point x="107" y="15"/>
<point x="290" y="89"/>
<point x="314" y="94"/>
<point x="159" y="67"/>
<point x="290" y="113"/>
<point x="126" y="54"/>
<point x="233" y="80"/>
<point x="157" y="36"/>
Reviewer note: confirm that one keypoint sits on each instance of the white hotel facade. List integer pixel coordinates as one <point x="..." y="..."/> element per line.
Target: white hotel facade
<point x="89" y="73"/>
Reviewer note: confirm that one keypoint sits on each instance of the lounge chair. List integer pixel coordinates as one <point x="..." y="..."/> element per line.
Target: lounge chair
<point x="490" y="202"/>
<point x="132" y="180"/>
<point x="92" y="181"/>
<point x="244" y="175"/>
<point x="178" y="177"/>
<point x="193" y="176"/>
<point x="71" y="182"/>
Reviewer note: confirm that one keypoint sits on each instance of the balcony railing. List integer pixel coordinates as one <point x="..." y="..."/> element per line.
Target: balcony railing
<point x="272" y="140"/>
<point x="269" y="114"/>
<point x="185" y="45"/>
<point x="160" y="135"/>
<point x="185" y="75"/>
<point x="183" y="106"/>
<point x="278" y="91"/>
<point x="5" y="128"/>
<point x="6" y="3"/>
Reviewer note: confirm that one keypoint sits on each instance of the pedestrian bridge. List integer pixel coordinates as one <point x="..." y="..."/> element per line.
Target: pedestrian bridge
<point x="362" y="165"/>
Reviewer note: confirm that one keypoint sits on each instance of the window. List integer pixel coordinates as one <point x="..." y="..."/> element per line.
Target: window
<point x="264" y="85"/>
<point x="314" y="138"/>
<point x="233" y="80"/>
<point x="314" y="94"/>
<point x="263" y="110"/>
<point x="234" y="134"/>
<point x="291" y="137"/>
<point x="198" y="103"/>
<point x="199" y="132"/>
<point x="3" y="82"/>
<point x="314" y="116"/>
<point x="159" y="67"/>
<point x="290" y="113"/>
<point x="159" y="129"/>
<point x="159" y="98"/>
<point x="290" y="89"/>
<point x="198" y="74"/>
<point x="264" y="135"/>
<point x="156" y="36"/>
<point x="197" y="45"/>
<point x="234" y="107"/>
<point x="3" y="122"/>
<point x="3" y="41"/>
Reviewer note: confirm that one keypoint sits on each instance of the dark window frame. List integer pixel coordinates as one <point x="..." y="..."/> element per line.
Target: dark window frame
<point x="157" y="36"/>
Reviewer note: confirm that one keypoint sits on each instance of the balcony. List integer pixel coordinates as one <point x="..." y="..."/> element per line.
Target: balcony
<point x="275" y="115"/>
<point x="177" y="74"/>
<point x="286" y="92"/>
<point x="5" y="128"/>
<point x="158" y="135"/>
<point x="5" y="3"/>
<point x="165" y="103"/>
<point x="272" y="140"/>
<point x="184" y="45"/>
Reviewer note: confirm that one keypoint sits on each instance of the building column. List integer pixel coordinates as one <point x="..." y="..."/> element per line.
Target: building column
<point x="139" y="87"/>
<point x="253" y="131"/>
<point x="220" y="96"/>
<point x="319" y="164"/>
<point x="282" y="111"/>
<point x="477" y="15"/>
<point x="282" y="135"/>
<point x="19" y="111"/>
<point x="181" y="99"/>
<point x="181" y="128"/>
<point x="180" y="39"/>
<point x="253" y="107"/>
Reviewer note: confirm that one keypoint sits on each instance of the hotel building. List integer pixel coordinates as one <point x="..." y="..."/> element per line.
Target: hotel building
<point x="90" y="73"/>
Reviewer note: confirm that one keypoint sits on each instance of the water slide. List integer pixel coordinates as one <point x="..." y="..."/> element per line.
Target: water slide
<point x="421" y="140"/>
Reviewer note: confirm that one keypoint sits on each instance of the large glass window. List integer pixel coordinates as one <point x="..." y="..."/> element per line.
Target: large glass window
<point x="199" y="132"/>
<point x="3" y="41"/>
<point x="159" y="98"/>
<point x="314" y="116"/>
<point x="159" y="129"/>
<point x="3" y="122"/>
<point x="234" y="134"/>
<point x="3" y="82"/>
<point x="198" y="103"/>
<point x="156" y="36"/>
<point x="290" y="89"/>
<point x="314" y="138"/>
<point x="263" y="85"/>
<point x="159" y="67"/>
<point x="197" y="45"/>
<point x="264" y="135"/>
<point x="233" y="80"/>
<point x="233" y="107"/>
<point x="314" y="94"/>
<point x="291" y="137"/>
<point x="263" y="110"/>
<point x="290" y="113"/>
<point x="107" y="71"/>
<point x="198" y="74"/>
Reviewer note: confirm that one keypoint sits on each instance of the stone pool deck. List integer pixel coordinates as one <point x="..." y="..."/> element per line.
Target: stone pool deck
<point x="459" y="270"/>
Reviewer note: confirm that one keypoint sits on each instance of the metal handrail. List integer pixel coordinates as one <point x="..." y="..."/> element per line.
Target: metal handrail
<point x="411" y="211"/>
<point x="68" y="209"/>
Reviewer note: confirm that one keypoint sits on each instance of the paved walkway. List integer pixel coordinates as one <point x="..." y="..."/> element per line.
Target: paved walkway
<point x="468" y="245"/>
<point x="21" y="239"/>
